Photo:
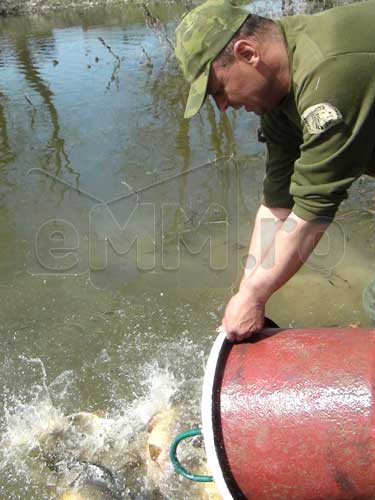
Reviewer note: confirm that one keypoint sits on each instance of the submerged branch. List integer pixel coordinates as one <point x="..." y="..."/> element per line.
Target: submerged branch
<point x="30" y="102"/>
<point x="148" y="58"/>
<point x="154" y="23"/>
<point x="109" y="48"/>
<point x="115" y="76"/>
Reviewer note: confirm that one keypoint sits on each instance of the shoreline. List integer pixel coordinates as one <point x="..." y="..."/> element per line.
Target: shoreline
<point x="30" y="7"/>
<point x="14" y="8"/>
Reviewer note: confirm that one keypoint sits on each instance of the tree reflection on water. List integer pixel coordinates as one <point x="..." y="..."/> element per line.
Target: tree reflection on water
<point x="55" y="151"/>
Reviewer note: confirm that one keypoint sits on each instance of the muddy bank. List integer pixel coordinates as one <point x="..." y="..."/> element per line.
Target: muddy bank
<point x="14" y="7"/>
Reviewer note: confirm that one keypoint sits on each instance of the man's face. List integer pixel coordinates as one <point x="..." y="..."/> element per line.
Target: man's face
<point x="243" y="83"/>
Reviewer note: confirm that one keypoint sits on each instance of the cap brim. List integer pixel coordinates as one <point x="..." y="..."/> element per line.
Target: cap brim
<point x="197" y="93"/>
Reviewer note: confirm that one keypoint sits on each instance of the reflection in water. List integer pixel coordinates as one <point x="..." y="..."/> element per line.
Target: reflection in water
<point x="214" y="136"/>
<point x="183" y="146"/>
<point x="193" y="205"/>
<point x="221" y="135"/>
<point x="56" y="146"/>
<point x="226" y="132"/>
<point x="6" y="154"/>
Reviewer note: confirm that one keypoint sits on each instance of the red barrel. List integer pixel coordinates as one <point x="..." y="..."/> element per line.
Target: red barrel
<point x="290" y="415"/>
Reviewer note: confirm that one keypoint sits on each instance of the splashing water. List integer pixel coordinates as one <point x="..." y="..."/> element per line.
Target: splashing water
<point x="45" y="445"/>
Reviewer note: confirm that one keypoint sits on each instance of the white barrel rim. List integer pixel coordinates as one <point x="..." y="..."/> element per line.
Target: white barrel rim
<point x="207" y="421"/>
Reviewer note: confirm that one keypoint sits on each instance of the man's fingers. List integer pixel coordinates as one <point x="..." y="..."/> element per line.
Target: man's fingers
<point x="230" y="336"/>
<point x="234" y="336"/>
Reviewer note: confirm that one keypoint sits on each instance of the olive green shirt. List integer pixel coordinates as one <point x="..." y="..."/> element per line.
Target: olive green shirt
<point x="322" y="135"/>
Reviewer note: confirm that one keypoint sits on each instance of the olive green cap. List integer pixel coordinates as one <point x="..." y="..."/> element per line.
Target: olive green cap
<point x="200" y="37"/>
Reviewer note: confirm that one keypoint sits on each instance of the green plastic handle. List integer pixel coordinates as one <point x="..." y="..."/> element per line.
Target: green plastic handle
<point x="178" y="467"/>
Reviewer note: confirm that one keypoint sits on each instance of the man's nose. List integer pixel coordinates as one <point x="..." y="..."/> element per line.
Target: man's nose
<point x="221" y="103"/>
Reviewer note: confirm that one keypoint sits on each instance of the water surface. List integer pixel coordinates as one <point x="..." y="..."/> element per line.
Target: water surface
<point x="123" y="229"/>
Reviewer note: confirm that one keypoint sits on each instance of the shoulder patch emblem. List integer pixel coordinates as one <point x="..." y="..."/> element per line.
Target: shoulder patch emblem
<point x="321" y="117"/>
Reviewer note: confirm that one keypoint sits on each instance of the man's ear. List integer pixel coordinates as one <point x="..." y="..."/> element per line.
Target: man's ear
<point x="246" y="50"/>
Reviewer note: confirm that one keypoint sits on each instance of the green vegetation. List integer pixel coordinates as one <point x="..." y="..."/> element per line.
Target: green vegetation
<point x="11" y="7"/>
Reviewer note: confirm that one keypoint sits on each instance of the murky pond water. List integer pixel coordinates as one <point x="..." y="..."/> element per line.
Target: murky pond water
<point x="123" y="229"/>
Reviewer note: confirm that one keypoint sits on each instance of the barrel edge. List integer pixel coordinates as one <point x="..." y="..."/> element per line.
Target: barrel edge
<point x="207" y="420"/>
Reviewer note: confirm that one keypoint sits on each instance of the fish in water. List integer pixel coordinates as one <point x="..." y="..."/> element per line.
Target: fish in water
<point x="79" y="448"/>
<point x="161" y="431"/>
<point x="93" y="482"/>
<point x="90" y="462"/>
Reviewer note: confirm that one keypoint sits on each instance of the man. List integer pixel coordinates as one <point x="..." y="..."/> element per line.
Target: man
<point x="312" y="80"/>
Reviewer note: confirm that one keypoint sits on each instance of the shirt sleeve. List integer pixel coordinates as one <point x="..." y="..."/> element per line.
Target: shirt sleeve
<point x="335" y="105"/>
<point x="282" y="140"/>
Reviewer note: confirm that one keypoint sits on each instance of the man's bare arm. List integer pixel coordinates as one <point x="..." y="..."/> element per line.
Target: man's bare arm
<point x="268" y="222"/>
<point x="290" y="245"/>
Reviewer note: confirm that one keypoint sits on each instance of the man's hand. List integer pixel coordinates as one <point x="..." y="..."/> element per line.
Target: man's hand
<point x="291" y="244"/>
<point x="244" y="315"/>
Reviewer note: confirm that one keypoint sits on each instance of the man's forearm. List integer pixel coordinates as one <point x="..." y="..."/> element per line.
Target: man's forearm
<point x="293" y="242"/>
<point x="268" y="222"/>
<point x="278" y="249"/>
